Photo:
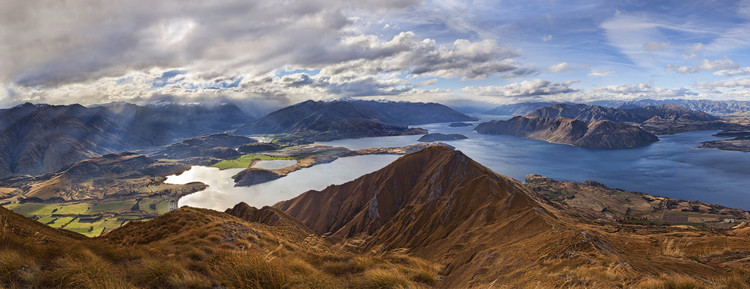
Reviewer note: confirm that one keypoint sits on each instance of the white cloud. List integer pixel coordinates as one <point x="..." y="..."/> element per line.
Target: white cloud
<point x="536" y="87"/>
<point x="560" y="67"/>
<point x="734" y="72"/>
<point x="743" y="83"/>
<point x="600" y="73"/>
<point x="705" y="65"/>
<point x="641" y="90"/>
<point x="547" y="38"/>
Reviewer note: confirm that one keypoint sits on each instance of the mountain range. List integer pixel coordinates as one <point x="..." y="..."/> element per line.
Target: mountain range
<point x="714" y="107"/>
<point x="36" y="138"/>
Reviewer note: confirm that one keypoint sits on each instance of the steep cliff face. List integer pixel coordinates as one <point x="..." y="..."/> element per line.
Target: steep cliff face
<point x="596" y="134"/>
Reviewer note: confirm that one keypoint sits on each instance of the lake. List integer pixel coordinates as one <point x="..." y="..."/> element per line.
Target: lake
<point x="673" y="167"/>
<point x="222" y="194"/>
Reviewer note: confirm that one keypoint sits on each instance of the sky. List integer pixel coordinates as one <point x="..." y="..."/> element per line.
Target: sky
<point x="267" y="54"/>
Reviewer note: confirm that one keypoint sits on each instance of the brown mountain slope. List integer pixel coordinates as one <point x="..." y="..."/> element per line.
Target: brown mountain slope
<point x="440" y="204"/>
<point x="489" y="230"/>
<point x="597" y="134"/>
<point x="195" y="248"/>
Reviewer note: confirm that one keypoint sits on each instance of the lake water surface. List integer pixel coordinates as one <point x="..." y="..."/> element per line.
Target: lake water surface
<point x="673" y="167"/>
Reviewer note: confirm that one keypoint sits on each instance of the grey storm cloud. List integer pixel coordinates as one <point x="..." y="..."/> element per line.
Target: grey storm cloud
<point x="530" y="88"/>
<point x="59" y="42"/>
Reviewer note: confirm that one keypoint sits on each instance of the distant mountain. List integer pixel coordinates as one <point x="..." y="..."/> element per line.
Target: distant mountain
<point x="36" y="139"/>
<point x="350" y="119"/>
<point x="662" y="119"/>
<point x="715" y="107"/>
<point x="597" y="134"/>
<point x="636" y="115"/>
<point x="518" y="108"/>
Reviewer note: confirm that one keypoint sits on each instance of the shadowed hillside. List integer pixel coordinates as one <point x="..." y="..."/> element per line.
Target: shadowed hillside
<point x="37" y="139"/>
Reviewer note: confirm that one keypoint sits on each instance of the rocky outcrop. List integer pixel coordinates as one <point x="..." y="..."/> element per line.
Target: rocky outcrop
<point x="433" y="137"/>
<point x="597" y="134"/>
<point x="740" y="141"/>
<point x="254" y="176"/>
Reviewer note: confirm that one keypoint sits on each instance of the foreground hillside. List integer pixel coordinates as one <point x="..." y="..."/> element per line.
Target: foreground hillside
<point x="196" y="248"/>
<point x="434" y="218"/>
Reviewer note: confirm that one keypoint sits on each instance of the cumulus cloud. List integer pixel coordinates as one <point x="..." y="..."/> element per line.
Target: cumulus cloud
<point x="126" y="51"/>
<point x="463" y="59"/>
<point x="705" y="65"/>
<point x="733" y="72"/>
<point x="560" y="67"/>
<point x="536" y="87"/>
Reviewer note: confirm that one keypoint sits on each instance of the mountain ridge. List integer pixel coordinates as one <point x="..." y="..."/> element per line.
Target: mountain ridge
<point x="600" y="134"/>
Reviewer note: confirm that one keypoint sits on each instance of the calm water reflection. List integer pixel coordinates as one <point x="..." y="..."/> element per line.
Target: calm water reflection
<point x="221" y="192"/>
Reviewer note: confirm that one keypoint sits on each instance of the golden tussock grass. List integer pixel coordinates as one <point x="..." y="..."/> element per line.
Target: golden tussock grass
<point x="249" y="271"/>
<point x="84" y="269"/>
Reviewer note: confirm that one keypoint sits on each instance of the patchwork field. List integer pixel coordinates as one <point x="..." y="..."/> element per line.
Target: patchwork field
<point x="93" y="218"/>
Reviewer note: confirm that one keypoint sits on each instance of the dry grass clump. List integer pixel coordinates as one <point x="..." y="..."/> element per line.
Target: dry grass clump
<point x="154" y="273"/>
<point x="15" y="268"/>
<point x="670" y="282"/>
<point x="84" y="269"/>
<point x="671" y="247"/>
<point x="382" y="278"/>
<point x="249" y="271"/>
